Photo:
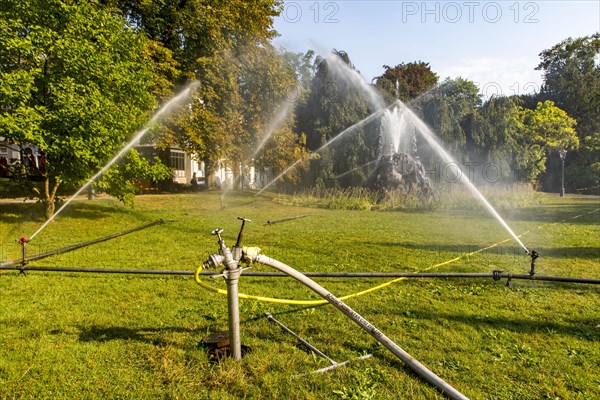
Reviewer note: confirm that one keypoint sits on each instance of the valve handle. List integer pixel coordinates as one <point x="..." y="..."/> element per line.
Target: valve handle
<point x="240" y="235"/>
<point x="218" y="233"/>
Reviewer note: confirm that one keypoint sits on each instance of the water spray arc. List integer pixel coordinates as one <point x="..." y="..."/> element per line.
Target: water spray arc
<point x="432" y="140"/>
<point x="323" y="147"/>
<point x="397" y="118"/>
<point x="281" y="114"/>
<point x="164" y="109"/>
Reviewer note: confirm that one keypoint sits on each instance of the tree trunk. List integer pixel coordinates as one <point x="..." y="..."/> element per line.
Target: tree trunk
<point x="49" y="197"/>
<point x="210" y="174"/>
<point x="49" y="208"/>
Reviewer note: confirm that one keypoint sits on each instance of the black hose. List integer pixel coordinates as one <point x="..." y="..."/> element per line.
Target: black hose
<point x="497" y="275"/>
<point x="7" y="264"/>
<point x="276" y="221"/>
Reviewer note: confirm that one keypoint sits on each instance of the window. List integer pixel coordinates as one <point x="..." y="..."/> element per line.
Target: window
<point x="3" y="150"/>
<point x="177" y="160"/>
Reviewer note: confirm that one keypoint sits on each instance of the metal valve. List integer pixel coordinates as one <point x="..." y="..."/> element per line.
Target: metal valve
<point x="214" y="261"/>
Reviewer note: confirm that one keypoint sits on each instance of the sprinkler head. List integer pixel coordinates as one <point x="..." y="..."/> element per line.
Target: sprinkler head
<point x="533" y="254"/>
<point x="23" y="240"/>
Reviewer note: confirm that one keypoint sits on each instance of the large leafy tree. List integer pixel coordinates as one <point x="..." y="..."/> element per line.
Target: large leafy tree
<point x="518" y="140"/>
<point x="211" y="42"/>
<point x="74" y="81"/>
<point x="448" y="109"/>
<point x="333" y="105"/>
<point x="407" y="81"/>
<point x="571" y="73"/>
<point x="269" y="90"/>
<point x="544" y="131"/>
<point x="492" y="137"/>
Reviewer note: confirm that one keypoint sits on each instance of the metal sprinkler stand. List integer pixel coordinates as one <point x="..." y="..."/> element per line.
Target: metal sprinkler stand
<point x="231" y="273"/>
<point x="334" y="364"/>
<point x="534" y="255"/>
<point x="23" y="241"/>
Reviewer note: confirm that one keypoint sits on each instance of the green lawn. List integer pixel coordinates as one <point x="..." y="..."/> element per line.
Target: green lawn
<point x="96" y="336"/>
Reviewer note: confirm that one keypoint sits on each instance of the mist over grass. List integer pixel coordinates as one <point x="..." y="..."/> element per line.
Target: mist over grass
<point x="449" y="197"/>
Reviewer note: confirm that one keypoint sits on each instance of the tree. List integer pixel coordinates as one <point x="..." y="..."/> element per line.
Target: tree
<point x="407" y="81"/>
<point x="208" y="41"/>
<point x="74" y="81"/>
<point x="269" y="88"/>
<point x="571" y="74"/>
<point x="448" y="108"/>
<point x="551" y="127"/>
<point x="492" y="136"/>
<point x="333" y="105"/>
<point x="120" y="181"/>
<point x="542" y="131"/>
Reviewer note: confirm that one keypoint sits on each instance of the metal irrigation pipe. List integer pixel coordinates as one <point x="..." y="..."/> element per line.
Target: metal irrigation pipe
<point x="496" y="275"/>
<point x="276" y="221"/>
<point x="421" y="275"/>
<point x="99" y="270"/>
<point x="415" y="365"/>
<point x="25" y="260"/>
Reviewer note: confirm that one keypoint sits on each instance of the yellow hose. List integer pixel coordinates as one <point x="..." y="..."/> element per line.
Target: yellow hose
<point x="319" y="302"/>
<point x="257" y="298"/>
<point x="366" y="291"/>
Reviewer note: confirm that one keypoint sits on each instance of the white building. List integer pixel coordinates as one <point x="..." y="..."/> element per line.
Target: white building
<point x="12" y="154"/>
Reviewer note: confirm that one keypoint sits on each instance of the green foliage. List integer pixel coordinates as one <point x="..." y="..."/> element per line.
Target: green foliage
<point x="448" y="108"/>
<point x="541" y="131"/>
<point x="407" y="81"/>
<point x="74" y="82"/>
<point x="332" y="105"/>
<point x="572" y="81"/>
<point x="243" y="78"/>
<point x="550" y="127"/>
<point x="120" y="180"/>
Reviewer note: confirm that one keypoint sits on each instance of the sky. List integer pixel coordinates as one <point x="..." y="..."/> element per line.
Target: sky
<point x="495" y="44"/>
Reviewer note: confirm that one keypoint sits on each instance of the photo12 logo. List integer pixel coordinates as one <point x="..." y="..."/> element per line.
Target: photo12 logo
<point x="470" y="11"/>
<point x="453" y="172"/>
<point x="496" y="89"/>
<point x="318" y="12"/>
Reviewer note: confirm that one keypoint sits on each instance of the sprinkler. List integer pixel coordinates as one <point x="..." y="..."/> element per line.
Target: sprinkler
<point x="534" y="255"/>
<point x="276" y="221"/>
<point x="23" y="241"/>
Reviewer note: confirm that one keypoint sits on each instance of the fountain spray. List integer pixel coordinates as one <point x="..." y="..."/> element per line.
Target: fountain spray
<point x="320" y="149"/>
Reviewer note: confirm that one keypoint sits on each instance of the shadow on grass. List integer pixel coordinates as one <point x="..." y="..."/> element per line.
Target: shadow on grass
<point x="17" y="212"/>
<point x="92" y="211"/>
<point x="154" y="336"/>
<point x="557" y="213"/>
<point x="513" y="251"/>
<point x="14" y="212"/>
<point x="584" y="329"/>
